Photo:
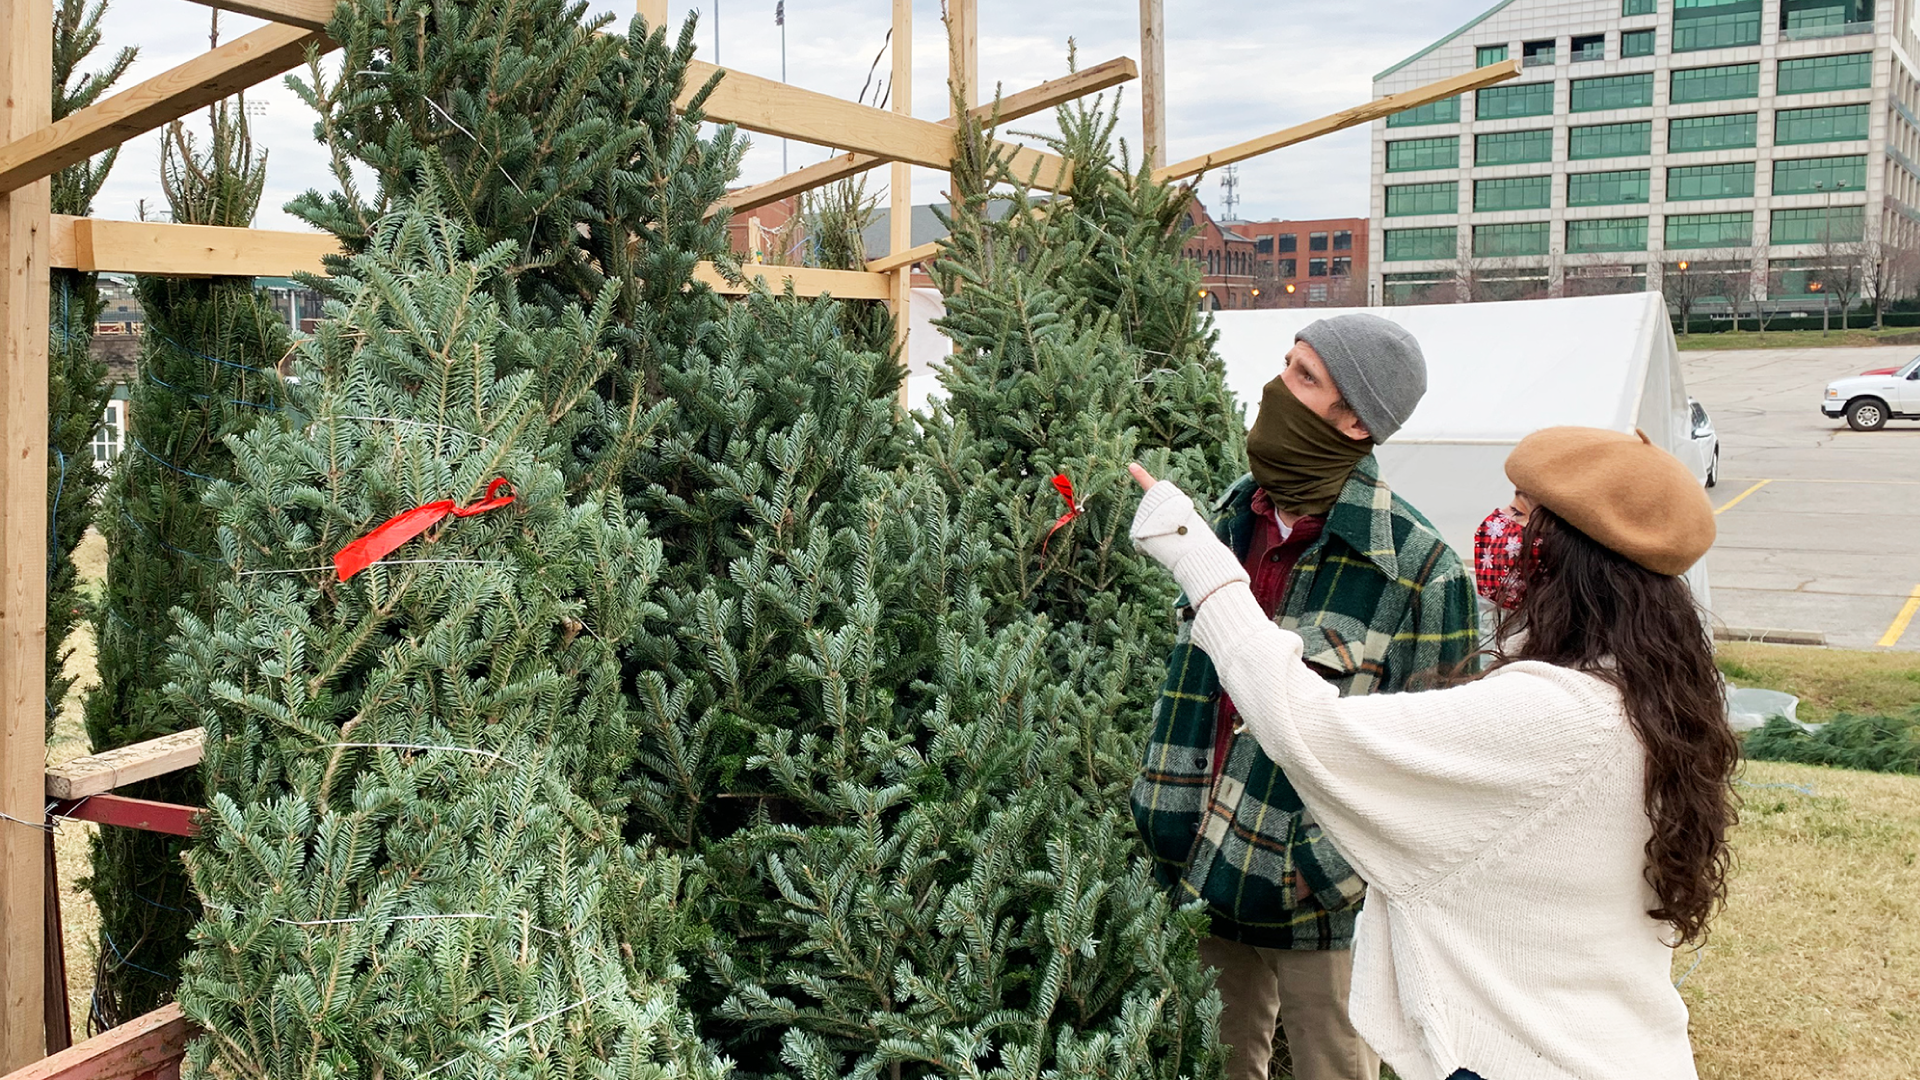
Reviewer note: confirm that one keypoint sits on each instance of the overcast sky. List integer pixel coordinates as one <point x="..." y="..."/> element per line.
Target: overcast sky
<point x="1235" y="69"/>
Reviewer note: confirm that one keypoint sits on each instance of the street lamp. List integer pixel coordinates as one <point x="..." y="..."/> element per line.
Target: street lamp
<point x="1686" y="292"/>
<point x="1826" y="238"/>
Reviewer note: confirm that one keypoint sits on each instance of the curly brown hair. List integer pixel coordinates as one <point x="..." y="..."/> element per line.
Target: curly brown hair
<point x="1590" y="609"/>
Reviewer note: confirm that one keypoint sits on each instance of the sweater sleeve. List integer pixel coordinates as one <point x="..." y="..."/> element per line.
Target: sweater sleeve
<point x="1408" y="786"/>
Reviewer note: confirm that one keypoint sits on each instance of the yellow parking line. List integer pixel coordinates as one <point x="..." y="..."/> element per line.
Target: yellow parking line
<point x="1737" y="498"/>
<point x="1902" y="620"/>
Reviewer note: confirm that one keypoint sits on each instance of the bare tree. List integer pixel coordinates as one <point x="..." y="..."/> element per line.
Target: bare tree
<point x="1891" y="264"/>
<point x="1842" y="272"/>
<point x="1705" y="275"/>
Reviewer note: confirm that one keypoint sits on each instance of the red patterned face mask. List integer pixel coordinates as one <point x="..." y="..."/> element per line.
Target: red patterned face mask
<point x="1497" y="573"/>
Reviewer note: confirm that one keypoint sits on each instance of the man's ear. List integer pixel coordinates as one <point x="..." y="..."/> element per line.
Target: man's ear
<point x="1349" y="424"/>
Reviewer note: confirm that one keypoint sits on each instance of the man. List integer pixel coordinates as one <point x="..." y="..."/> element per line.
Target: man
<point x="1384" y="605"/>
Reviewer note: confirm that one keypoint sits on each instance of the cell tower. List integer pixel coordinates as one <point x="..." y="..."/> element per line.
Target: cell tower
<point x="1230" y="191"/>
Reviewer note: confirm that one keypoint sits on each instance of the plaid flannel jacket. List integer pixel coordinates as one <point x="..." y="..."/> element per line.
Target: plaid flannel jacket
<point x="1383" y="605"/>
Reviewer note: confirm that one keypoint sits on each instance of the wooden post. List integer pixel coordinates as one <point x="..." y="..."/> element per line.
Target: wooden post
<point x="26" y="77"/>
<point x="963" y="49"/>
<point x="1153" y="81"/>
<point x="900" y="208"/>
<point x="756" y="241"/>
<point x="654" y="11"/>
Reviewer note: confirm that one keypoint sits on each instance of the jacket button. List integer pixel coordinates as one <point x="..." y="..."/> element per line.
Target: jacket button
<point x="1275" y="557"/>
<point x="1182" y="530"/>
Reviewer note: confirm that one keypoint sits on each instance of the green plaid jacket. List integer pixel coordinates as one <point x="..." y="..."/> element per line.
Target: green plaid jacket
<point x="1383" y="605"/>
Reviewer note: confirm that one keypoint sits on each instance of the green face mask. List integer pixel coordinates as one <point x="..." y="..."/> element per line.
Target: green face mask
<point x="1300" y="460"/>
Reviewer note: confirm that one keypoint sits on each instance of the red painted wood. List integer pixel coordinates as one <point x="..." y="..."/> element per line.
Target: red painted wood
<point x="150" y="1046"/>
<point x="128" y="813"/>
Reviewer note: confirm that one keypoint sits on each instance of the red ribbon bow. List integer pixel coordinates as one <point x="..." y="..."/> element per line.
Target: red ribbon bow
<point x="401" y="528"/>
<point x="1074" y="509"/>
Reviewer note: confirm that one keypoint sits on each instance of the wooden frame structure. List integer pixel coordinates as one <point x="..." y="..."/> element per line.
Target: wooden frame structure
<point x="33" y="241"/>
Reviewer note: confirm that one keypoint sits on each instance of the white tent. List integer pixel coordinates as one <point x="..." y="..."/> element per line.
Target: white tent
<point x="1495" y="373"/>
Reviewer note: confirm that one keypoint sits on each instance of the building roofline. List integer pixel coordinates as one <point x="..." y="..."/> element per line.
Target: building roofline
<point x="1471" y="23"/>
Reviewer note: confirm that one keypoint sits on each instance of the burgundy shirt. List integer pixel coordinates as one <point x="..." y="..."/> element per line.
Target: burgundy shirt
<point x="1270" y="562"/>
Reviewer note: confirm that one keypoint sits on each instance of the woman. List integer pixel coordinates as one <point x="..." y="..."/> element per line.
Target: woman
<point x="1535" y="841"/>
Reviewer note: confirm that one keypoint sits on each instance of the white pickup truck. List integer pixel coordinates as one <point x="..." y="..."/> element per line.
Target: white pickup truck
<point x="1869" y="401"/>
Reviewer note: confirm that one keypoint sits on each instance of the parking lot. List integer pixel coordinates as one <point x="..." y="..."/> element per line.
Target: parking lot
<point x="1819" y="524"/>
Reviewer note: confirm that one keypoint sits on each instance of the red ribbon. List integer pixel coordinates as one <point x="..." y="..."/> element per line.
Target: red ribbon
<point x="1074" y="509"/>
<point x="401" y="528"/>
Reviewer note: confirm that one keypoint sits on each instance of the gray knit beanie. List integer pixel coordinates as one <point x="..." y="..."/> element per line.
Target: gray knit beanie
<point x="1376" y="365"/>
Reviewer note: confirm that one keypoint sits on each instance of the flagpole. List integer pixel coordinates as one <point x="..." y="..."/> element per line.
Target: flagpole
<point x="716" y="32"/>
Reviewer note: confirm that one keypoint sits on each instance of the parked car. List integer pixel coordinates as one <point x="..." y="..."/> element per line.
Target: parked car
<point x="1869" y="401"/>
<point x="1703" y="444"/>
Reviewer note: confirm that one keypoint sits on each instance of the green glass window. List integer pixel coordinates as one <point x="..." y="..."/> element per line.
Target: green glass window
<point x="1607" y="234"/>
<point x="1610" y="140"/>
<point x="1498" y="241"/>
<point x="1609" y="188"/>
<point x="1844" y="225"/>
<point x="1414" y="155"/>
<point x="1639" y="7"/>
<point x="1813" y="74"/>
<point x="1825" y="18"/>
<point x="1526" y="99"/>
<point x="1513" y="147"/>
<point x="1732" y="181"/>
<point x="1612" y="92"/>
<point x="1518" y="193"/>
<point x="1729" y="83"/>
<point x="1411" y="200"/>
<point x="1835" y="123"/>
<point x="1737" y="131"/>
<point x="1806" y="176"/>
<point x="1636" y="43"/>
<point x="1715" y="24"/>
<point x="1489" y="54"/>
<point x="1435" y="112"/>
<point x="1405" y="245"/>
<point x="1709" y="230"/>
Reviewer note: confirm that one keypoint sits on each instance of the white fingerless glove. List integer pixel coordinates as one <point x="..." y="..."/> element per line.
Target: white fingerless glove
<point x="1168" y="528"/>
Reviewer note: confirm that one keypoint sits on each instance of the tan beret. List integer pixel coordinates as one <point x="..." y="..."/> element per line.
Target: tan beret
<point x="1627" y="494"/>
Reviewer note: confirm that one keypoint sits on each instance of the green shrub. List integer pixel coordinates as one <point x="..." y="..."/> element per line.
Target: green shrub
<point x="1873" y="743"/>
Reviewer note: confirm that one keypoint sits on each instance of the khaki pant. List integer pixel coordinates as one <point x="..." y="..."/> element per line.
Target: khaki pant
<point x="1306" y="992"/>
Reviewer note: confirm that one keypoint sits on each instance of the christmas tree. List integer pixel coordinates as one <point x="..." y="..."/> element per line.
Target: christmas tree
<point x="413" y="863"/>
<point x="76" y="390"/>
<point x="207" y="363"/>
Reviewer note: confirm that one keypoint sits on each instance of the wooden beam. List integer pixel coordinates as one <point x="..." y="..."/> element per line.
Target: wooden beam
<point x="1012" y="107"/>
<point x="268" y="51"/>
<point x="26" y="80"/>
<point x="147" y="1046"/>
<point x="153" y="247"/>
<point x="774" y="108"/>
<point x="654" y="11"/>
<point x="963" y="49"/>
<point x="123" y="812"/>
<point x="900" y="190"/>
<point x="807" y="281"/>
<point x="1153" y="82"/>
<point x="97" y="774"/>
<point x="307" y="14"/>
<point x="903" y="258"/>
<point x="1340" y="121"/>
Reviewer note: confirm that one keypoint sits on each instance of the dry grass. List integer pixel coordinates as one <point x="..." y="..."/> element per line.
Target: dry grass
<point x="1814" y="969"/>
<point x="80" y="920"/>
<point x="1828" y="681"/>
<point x="1797" y="339"/>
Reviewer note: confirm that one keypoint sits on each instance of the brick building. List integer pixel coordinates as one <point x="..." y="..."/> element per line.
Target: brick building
<point x="1274" y="264"/>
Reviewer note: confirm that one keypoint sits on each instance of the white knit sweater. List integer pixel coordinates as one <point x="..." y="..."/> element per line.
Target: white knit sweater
<point x="1500" y="828"/>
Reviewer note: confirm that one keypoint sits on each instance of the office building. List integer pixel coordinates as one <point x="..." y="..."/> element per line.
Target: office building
<point x="1770" y="140"/>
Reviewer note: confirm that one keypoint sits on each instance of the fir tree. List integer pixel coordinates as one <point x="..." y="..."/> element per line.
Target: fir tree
<point x="538" y="128"/>
<point x="412" y="866"/>
<point x="77" y="392"/>
<point x="206" y="372"/>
